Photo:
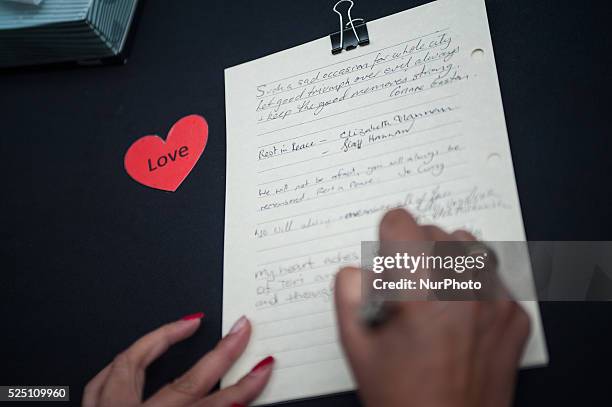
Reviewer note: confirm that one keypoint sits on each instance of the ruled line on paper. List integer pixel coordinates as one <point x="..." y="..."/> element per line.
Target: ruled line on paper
<point x="315" y="345"/>
<point x="261" y="338"/>
<point x="283" y="304"/>
<point x="282" y="367"/>
<point x="321" y="237"/>
<point x="291" y="318"/>
<point x="309" y="254"/>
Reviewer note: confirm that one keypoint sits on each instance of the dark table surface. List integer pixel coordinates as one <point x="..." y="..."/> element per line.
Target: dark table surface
<point x="92" y="260"/>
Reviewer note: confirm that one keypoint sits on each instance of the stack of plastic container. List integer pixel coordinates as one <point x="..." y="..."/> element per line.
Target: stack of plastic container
<point x="63" y="30"/>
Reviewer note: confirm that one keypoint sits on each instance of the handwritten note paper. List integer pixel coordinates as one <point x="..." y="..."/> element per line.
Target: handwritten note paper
<point x="320" y="146"/>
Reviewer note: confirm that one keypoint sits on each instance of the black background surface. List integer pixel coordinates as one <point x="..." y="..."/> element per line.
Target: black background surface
<point x="92" y="260"/>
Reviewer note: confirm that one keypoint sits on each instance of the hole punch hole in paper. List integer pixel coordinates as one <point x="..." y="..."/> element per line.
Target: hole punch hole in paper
<point x="477" y="54"/>
<point x="494" y="160"/>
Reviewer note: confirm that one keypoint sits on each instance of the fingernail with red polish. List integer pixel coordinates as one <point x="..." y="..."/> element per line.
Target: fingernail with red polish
<point x="197" y="315"/>
<point x="262" y="365"/>
<point x="237" y="405"/>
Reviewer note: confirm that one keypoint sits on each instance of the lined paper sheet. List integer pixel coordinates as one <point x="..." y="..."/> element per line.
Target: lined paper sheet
<point x="320" y="146"/>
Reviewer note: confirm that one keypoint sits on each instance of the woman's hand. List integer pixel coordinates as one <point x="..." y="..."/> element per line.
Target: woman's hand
<point x="431" y="353"/>
<point x="122" y="381"/>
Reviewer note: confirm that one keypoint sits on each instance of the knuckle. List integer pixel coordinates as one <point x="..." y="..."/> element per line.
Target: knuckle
<point x="223" y="354"/>
<point x="185" y="385"/>
<point x="122" y="362"/>
<point x="245" y="389"/>
<point x="166" y="334"/>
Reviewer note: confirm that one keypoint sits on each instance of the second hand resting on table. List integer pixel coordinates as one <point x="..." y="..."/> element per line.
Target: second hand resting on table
<point x="431" y="353"/>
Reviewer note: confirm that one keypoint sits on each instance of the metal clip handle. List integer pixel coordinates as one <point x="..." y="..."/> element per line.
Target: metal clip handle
<point x="350" y="35"/>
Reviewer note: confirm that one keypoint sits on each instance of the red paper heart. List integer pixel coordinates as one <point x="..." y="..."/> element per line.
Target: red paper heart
<point x="165" y="164"/>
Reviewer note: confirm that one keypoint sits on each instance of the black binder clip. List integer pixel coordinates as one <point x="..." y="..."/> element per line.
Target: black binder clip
<point x="351" y="35"/>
